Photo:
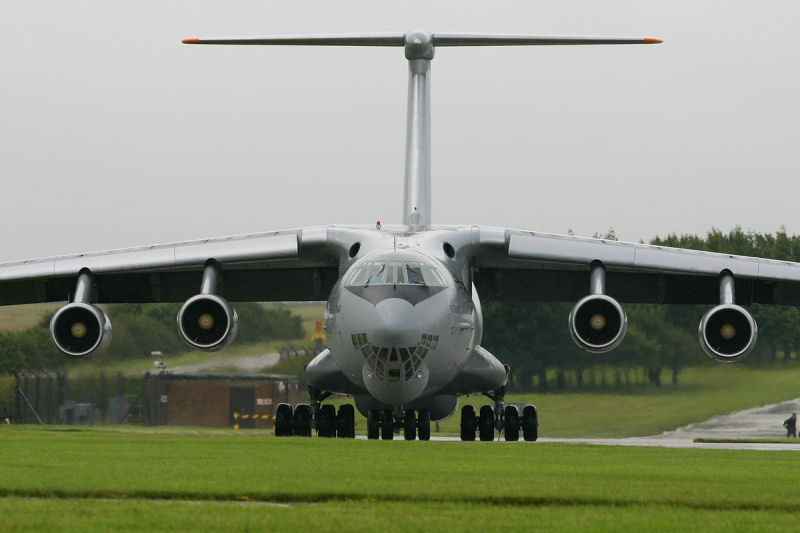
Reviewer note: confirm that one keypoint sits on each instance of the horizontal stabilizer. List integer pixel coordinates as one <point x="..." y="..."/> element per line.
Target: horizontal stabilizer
<point x="384" y="39"/>
<point x="457" y="39"/>
<point x="438" y="39"/>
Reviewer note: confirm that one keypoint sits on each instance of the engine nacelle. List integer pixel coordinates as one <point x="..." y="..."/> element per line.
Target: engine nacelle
<point x="597" y="323"/>
<point x="208" y="322"/>
<point x="727" y="332"/>
<point x="80" y="330"/>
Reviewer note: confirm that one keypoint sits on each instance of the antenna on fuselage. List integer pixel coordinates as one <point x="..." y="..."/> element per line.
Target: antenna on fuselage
<point x="419" y="50"/>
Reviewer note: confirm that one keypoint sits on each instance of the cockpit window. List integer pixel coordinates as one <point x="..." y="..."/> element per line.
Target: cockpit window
<point x="414" y="273"/>
<point x="396" y="273"/>
<point x="376" y="277"/>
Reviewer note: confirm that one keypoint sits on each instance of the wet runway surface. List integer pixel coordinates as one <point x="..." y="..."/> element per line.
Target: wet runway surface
<point x="756" y="423"/>
<point x="661" y="442"/>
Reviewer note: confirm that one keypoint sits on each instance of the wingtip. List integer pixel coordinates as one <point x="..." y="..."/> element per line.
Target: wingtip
<point x="191" y="41"/>
<point x="648" y="40"/>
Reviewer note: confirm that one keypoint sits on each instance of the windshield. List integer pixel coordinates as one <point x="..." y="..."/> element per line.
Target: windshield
<point x="395" y="273"/>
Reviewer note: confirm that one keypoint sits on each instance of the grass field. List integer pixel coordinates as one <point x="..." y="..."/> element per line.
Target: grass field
<point x="104" y="479"/>
<point x="20" y="317"/>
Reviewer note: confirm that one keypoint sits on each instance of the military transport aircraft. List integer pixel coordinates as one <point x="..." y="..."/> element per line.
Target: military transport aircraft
<point x="403" y="315"/>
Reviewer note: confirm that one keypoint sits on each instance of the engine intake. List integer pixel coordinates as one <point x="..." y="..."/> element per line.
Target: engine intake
<point x="597" y="323"/>
<point x="727" y="333"/>
<point x="208" y="322"/>
<point x="80" y="330"/>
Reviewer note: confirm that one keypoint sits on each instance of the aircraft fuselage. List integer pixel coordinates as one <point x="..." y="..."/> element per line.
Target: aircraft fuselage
<point x="402" y="326"/>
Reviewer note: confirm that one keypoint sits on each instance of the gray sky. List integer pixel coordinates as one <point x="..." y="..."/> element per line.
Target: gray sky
<point x="113" y="134"/>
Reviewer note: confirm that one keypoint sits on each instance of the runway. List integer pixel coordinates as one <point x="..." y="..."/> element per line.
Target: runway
<point x="661" y="442"/>
<point x="757" y="423"/>
<point x="656" y="441"/>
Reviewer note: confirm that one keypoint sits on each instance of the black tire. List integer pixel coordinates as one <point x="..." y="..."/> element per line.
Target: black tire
<point x="424" y="424"/>
<point x="469" y="423"/>
<point x="486" y="423"/>
<point x="373" y="423"/>
<point x="302" y="420"/>
<point x="409" y="425"/>
<point x="284" y="420"/>
<point x="511" y="423"/>
<point x="530" y="423"/>
<point x="346" y="422"/>
<point x="326" y="423"/>
<point x="387" y="425"/>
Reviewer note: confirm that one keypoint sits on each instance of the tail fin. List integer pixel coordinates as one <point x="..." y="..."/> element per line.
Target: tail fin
<point x="419" y="50"/>
<point x="438" y="39"/>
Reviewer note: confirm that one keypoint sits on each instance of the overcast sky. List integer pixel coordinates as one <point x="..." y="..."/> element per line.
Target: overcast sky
<point x="114" y="134"/>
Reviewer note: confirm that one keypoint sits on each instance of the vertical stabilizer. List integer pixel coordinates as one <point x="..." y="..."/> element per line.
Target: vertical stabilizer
<point x="417" y="197"/>
<point x="419" y="49"/>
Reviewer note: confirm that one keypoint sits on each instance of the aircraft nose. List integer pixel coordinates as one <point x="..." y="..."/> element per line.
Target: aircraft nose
<point x="395" y="374"/>
<point x="395" y="324"/>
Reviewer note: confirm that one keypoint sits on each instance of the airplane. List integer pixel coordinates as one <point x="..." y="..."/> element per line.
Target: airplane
<point x="403" y="314"/>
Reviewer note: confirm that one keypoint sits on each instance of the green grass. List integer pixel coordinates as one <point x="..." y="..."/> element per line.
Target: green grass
<point x="21" y="317"/>
<point x="157" y="480"/>
<point x="294" y="366"/>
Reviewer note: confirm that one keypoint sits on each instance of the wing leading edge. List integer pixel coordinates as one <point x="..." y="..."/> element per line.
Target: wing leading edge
<point x="523" y="265"/>
<point x="276" y="266"/>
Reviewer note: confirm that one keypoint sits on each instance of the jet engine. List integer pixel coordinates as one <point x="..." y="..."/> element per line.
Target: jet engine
<point x="207" y="321"/>
<point x="727" y="332"/>
<point x="597" y="323"/>
<point x="80" y="330"/>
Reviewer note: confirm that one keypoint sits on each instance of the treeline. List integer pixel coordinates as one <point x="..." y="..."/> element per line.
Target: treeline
<point x="139" y="329"/>
<point x="661" y="339"/>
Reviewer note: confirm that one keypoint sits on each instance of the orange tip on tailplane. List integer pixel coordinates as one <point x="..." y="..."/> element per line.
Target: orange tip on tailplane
<point x="646" y="41"/>
<point x="196" y="40"/>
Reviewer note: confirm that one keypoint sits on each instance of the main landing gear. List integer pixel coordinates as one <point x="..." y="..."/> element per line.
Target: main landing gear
<point x="500" y="417"/>
<point x="304" y="417"/>
<point x="381" y="423"/>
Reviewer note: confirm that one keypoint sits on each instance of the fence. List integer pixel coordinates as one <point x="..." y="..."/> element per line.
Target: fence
<point x="46" y="398"/>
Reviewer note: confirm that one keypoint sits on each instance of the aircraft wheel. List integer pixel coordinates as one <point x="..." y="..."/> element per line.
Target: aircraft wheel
<point x="284" y="420"/>
<point x="486" y="423"/>
<point x="530" y="423"/>
<point x="387" y="425"/>
<point x="326" y="424"/>
<point x="469" y="423"/>
<point x="409" y="425"/>
<point x="346" y="422"/>
<point x="511" y="423"/>
<point x="302" y="420"/>
<point x="424" y="424"/>
<point x="373" y="423"/>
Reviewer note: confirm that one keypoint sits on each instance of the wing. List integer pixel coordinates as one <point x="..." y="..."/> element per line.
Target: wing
<point x="299" y="264"/>
<point x="532" y="266"/>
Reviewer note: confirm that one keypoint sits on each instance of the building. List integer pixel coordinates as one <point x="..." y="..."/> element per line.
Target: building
<point x="214" y="400"/>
